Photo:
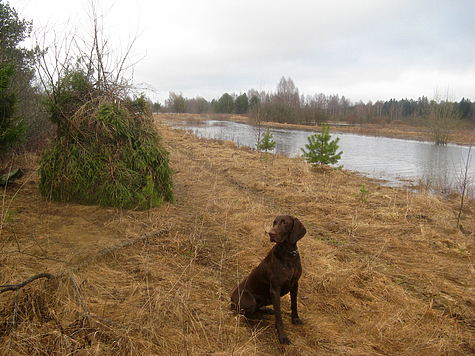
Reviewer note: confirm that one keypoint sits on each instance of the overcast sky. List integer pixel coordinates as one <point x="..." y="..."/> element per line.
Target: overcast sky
<point x="364" y="50"/>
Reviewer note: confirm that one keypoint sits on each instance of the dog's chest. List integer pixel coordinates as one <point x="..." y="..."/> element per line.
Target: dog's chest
<point x="288" y="280"/>
<point x="289" y="272"/>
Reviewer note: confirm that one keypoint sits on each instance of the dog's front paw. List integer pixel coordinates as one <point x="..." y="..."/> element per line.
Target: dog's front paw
<point x="297" y="321"/>
<point x="284" y="340"/>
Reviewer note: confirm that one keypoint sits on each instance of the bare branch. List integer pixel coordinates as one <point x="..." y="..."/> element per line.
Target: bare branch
<point x="11" y="287"/>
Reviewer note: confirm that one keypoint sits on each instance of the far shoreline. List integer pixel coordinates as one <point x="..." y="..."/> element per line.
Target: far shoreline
<point x="400" y="131"/>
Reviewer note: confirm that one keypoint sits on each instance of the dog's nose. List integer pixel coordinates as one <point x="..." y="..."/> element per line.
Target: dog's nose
<point x="272" y="235"/>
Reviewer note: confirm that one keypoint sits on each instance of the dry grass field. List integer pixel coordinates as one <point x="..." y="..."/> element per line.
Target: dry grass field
<point x="385" y="271"/>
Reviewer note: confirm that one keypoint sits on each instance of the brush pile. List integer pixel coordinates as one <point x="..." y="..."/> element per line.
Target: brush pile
<point x="105" y="152"/>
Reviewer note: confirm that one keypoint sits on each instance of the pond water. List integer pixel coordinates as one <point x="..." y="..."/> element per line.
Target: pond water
<point x="394" y="160"/>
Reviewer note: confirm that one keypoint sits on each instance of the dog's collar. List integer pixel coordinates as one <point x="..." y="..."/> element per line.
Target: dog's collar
<point x="290" y="253"/>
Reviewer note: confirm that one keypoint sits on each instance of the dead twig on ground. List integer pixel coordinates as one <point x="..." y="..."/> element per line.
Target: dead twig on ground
<point x="25" y="282"/>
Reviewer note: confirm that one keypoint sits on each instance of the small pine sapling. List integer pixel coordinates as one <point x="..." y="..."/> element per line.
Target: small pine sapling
<point x="363" y="194"/>
<point x="267" y="143"/>
<point x="321" y="150"/>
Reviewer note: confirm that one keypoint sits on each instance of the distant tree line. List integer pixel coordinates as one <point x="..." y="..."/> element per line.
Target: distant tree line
<point x="287" y="105"/>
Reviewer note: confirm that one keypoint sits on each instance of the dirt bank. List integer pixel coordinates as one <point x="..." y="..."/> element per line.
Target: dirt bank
<point x="385" y="272"/>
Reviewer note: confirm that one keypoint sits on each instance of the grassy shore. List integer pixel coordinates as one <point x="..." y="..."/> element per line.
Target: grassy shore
<point x="385" y="271"/>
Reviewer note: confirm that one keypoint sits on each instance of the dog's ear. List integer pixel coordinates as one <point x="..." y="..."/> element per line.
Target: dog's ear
<point x="298" y="231"/>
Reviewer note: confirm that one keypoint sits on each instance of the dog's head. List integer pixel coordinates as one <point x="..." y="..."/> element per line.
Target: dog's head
<point x="288" y="228"/>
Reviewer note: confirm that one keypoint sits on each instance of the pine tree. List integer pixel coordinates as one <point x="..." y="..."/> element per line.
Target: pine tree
<point x="12" y="130"/>
<point x="16" y="70"/>
<point x="267" y="144"/>
<point x="320" y="149"/>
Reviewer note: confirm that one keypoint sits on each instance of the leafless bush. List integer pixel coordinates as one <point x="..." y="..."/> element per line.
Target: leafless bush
<point x="442" y="117"/>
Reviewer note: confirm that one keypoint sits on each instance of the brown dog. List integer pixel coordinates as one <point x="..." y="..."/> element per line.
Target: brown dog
<point x="277" y="275"/>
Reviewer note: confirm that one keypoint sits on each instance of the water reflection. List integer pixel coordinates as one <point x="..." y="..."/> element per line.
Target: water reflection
<point x="395" y="160"/>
